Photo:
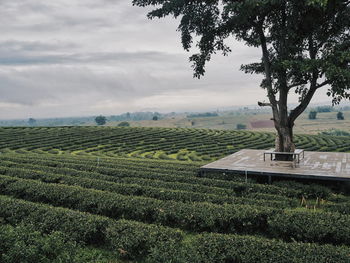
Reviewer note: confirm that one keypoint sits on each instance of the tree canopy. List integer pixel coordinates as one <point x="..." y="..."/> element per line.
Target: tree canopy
<point x="305" y="45"/>
<point x="100" y="120"/>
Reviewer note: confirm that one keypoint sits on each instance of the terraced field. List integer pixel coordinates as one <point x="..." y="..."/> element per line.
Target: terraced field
<point x="158" y="143"/>
<point x="75" y="207"/>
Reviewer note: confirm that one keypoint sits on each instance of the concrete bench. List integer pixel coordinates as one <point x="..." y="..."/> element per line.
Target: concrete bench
<point x="295" y="155"/>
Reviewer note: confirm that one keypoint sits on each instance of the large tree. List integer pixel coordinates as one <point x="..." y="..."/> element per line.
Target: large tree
<point x="304" y="45"/>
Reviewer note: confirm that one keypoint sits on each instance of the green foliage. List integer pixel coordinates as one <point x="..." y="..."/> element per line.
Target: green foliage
<point x="216" y="248"/>
<point x="124" y="124"/>
<point x="307" y="190"/>
<point x="195" y="217"/>
<point x="87" y="228"/>
<point x="100" y="120"/>
<point x="116" y="142"/>
<point x="26" y="245"/>
<point x="267" y="25"/>
<point x="134" y="240"/>
<point x="312" y="115"/>
<point x="309" y="226"/>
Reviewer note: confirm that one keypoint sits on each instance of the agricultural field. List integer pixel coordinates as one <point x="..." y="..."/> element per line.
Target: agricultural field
<point x="94" y="194"/>
<point x="151" y="143"/>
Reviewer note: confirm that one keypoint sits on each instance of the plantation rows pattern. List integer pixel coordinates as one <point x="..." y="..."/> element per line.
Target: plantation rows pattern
<point x="154" y="143"/>
<point x="158" y="210"/>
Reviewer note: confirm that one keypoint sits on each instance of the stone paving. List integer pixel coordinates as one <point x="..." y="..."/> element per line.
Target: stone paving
<point x="317" y="165"/>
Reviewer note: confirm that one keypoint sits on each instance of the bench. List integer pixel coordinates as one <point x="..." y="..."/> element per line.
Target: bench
<point x="296" y="154"/>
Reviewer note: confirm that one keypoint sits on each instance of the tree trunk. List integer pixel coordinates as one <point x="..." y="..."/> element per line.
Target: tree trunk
<point x="284" y="142"/>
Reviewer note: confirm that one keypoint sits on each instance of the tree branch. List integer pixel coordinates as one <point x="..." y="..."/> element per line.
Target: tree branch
<point x="302" y="106"/>
<point x="297" y="84"/>
<point x="323" y="84"/>
<point x="267" y="67"/>
<point x="264" y="104"/>
<point x="313" y="86"/>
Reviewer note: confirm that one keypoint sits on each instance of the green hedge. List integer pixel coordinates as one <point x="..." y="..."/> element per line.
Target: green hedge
<point x="343" y="207"/>
<point x="193" y="217"/>
<point x="133" y="240"/>
<point x="288" y="189"/>
<point x="198" y="184"/>
<point x="25" y="244"/>
<point x="311" y="226"/>
<point x="129" y="239"/>
<point x="216" y="248"/>
<point x="147" y="191"/>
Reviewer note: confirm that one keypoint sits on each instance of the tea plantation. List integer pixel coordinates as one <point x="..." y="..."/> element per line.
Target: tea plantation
<point x="153" y="143"/>
<point x="92" y="194"/>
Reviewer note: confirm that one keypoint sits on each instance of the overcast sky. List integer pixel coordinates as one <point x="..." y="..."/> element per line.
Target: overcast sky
<point x="88" y="57"/>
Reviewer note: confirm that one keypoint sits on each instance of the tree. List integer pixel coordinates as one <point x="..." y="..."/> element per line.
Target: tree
<point x="101" y="120"/>
<point x="31" y="121"/>
<point x="304" y="46"/>
<point x="312" y="115"/>
<point x="155" y="118"/>
<point x="340" y="116"/>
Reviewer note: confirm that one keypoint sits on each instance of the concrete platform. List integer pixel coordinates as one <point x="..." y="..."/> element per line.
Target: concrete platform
<point x="316" y="165"/>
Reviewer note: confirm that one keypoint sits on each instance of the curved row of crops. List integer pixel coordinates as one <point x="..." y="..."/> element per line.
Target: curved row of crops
<point x="161" y="211"/>
<point x="152" y="143"/>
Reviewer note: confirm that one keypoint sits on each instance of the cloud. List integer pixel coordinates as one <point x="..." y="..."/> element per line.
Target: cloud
<point x="73" y="57"/>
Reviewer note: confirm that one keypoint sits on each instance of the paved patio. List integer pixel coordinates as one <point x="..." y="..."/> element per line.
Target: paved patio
<point x="316" y="165"/>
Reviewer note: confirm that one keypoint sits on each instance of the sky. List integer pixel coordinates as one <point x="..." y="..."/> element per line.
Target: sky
<point x="89" y="57"/>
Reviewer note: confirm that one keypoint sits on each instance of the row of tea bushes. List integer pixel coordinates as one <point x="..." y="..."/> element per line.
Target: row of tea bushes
<point x="230" y="187"/>
<point x="190" y="216"/>
<point x="196" y="217"/>
<point x="147" y="191"/>
<point x="204" y="144"/>
<point x="135" y="238"/>
<point x="217" y="248"/>
<point x="25" y="244"/>
<point x="151" y="243"/>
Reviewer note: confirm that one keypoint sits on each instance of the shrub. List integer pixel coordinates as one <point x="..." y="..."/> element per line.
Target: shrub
<point x="26" y="245"/>
<point x="218" y="248"/>
<point x="194" y="217"/>
<point x="310" y="226"/>
<point x="135" y="239"/>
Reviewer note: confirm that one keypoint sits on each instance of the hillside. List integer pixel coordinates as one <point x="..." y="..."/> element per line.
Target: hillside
<point x="88" y="194"/>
